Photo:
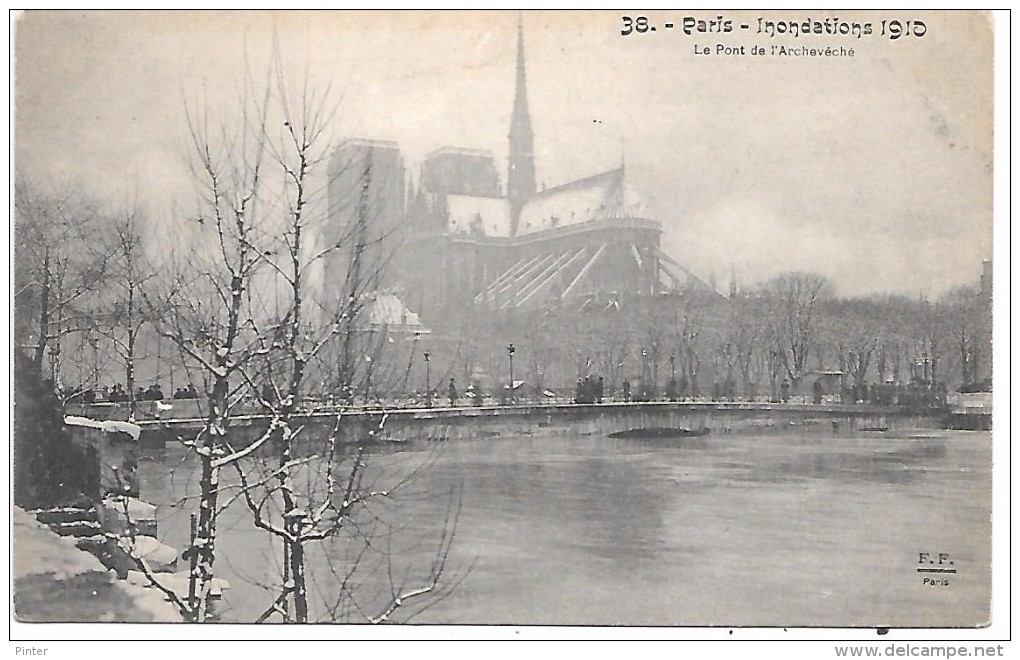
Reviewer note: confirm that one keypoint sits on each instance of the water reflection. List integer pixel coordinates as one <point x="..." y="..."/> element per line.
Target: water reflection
<point x="728" y="530"/>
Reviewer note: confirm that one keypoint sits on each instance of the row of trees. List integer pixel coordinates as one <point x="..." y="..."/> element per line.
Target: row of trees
<point x="87" y="281"/>
<point x="781" y="330"/>
<point x="240" y="300"/>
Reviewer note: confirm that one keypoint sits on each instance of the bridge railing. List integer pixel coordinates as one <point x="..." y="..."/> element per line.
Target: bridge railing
<point x="192" y="412"/>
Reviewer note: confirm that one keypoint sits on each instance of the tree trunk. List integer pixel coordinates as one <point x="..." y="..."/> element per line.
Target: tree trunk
<point x="129" y="374"/>
<point x="297" y="572"/>
<point x="129" y="359"/>
<point x="205" y="533"/>
<point x="44" y="314"/>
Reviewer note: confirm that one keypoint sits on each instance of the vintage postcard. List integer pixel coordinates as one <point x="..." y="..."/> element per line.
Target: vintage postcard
<point x="519" y="318"/>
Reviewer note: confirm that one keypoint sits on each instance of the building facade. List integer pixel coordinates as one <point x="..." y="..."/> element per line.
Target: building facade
<point x="464" y="245"/>
<point x="366" y="215"/>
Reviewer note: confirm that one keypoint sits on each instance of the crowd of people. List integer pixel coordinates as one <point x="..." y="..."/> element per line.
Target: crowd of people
<point x="592" y="389"/>
<point x="589" y="390"/>
<point x="119" y="394"/>
<point x="915" y="394"/>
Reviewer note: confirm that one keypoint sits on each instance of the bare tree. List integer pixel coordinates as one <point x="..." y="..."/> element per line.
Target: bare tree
<point x="856" y="351"/>
<point x="328" y="501"/>
<point x="930" y="333"/>
<point x="654" y="338"/>
<point x="614" y="344"/>
<point x="126" y="311"/>
<point x="964" y="319"/>
<point x="209" y="306"/>
<point x="899" y="317"/>
<point x="59" y="266"/>
<point x="252" y="310"/>
<point x="688" y="325"/>
<point x="741" y="341"/>
<point x="852" y="329"/>
<point x="792" y="299"/>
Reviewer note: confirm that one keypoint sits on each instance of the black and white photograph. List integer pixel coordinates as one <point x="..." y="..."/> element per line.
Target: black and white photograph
<point x="602" y="320"/>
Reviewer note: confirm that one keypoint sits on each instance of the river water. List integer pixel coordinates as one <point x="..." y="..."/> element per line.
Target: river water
<point x="772" y="530"/>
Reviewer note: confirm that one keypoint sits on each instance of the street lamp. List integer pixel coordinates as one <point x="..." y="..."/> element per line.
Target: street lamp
<point x="510" y="352"/>
<point x="645" y="377"/>
<point x="671" y="392"/>
<point x="428" y="389"/>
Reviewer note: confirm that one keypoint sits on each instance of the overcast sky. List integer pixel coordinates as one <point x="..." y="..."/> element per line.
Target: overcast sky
<point x="875" y="170"/>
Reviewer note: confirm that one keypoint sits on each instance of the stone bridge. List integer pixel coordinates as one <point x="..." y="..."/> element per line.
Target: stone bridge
<point x="436" y="424"/>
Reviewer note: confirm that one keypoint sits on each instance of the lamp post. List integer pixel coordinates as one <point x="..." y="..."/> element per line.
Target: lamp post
<point x="672" y="377"/>
<point x="510" y="352"/>
<point x="428" y="389"/>
<point x="643" y="387"/>
<point x="368" y="380"/>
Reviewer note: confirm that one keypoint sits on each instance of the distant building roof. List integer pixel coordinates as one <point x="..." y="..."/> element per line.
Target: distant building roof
<point x="487" y="216"/>
<point x="365" y="142"/>
<point x="597" y="197"/>
<point x="387" y="310"/>
<point x="459" y="151"/>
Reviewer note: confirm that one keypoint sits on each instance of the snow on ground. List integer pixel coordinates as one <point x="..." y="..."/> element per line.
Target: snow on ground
<point x="56" y="581"/>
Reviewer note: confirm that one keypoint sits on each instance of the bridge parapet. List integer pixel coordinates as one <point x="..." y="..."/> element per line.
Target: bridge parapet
<point x="411" y="424"/>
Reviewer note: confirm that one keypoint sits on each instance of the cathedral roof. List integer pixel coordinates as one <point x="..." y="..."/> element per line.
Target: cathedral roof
<point x="486" y="216"/>
<point x="458" y="151"/>
<point x="596" y="197"/>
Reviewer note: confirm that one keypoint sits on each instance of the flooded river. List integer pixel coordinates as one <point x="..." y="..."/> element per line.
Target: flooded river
<point x="774" y="530"/>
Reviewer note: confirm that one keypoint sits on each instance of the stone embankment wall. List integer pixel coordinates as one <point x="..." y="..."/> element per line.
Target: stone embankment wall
<point x="76" y="560"/>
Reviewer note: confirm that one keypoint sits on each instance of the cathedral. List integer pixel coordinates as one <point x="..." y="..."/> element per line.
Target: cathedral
<point x="457" y="242"/>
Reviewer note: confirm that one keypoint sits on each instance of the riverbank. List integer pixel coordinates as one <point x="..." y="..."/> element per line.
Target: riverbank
<point x="56" y="582"/>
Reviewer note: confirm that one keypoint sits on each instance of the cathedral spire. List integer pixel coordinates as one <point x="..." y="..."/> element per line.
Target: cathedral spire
<point x="521" y="172"/>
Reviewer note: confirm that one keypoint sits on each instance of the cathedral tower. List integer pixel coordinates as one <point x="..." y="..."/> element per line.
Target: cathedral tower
<point x="521" y="173"/>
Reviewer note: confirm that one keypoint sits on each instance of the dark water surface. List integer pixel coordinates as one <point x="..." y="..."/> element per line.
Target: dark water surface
<point x="777" y="530"/>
